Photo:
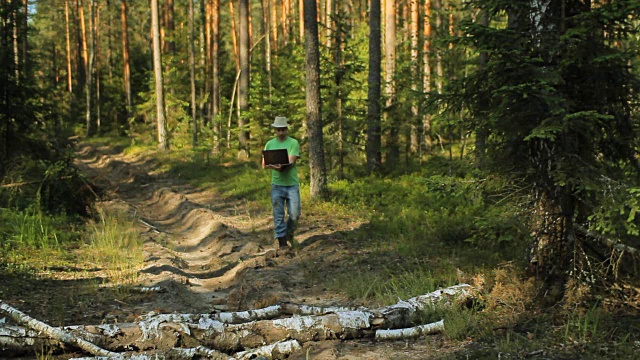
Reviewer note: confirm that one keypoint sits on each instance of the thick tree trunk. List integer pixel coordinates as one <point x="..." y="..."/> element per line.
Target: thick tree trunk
<point x="373" y="145"/>
<point x="163" y="142"/>
<point x="126" y="66"/>
<point x="393" y="147"/>
<point x="243" y="85"/>
<point x="317" y="169"/>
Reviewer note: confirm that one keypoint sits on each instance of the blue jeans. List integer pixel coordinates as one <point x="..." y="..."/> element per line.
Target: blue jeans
<point x="282" y="196"/>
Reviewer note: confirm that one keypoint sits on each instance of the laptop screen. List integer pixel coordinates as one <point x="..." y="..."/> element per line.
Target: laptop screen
<point x="276" y="157"/>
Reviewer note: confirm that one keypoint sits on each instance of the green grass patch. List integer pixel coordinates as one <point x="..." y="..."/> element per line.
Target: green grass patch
<point x="114" y="245"/>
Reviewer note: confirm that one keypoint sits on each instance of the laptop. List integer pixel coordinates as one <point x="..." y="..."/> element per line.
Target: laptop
<point x="276" y="157"/>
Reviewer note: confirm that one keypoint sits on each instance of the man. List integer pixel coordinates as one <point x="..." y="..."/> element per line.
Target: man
<point x="285" y="186"/>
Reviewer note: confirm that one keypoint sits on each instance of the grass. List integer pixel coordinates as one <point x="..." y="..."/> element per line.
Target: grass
<point x="415" y="233"/>
<point x="113" y="244"/>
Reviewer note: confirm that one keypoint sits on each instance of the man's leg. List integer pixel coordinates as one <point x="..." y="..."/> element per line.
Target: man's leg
<point x="278" y="197"/>
<point x="293" y="210"/>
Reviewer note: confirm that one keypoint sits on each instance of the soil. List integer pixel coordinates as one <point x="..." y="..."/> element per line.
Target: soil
<point x="207" y="253"/>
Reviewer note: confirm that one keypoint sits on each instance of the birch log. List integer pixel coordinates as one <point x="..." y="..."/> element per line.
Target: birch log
<point x="54" y="333"/>
<point x="231" y="332"/>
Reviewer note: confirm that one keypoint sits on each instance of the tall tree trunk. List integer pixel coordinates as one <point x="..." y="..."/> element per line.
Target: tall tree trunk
<point x="234" y="36"/>
<point x="482" y="132"/>
<point x="192" y="74"/>
<point x="243" y="84"/>
<point x="328" y="22"/>
<point x="317" y="169"/>
<point x="301" y="18"/>
<point x="88" y="88"/>
<point x="373" y="145"/>
<point x="340" y="39"/>
<point x="168" y="43"/>
<point x="68" y="48"/>
<point x="266" y="10"/>
<point x="437" y="8"/>
<point x="161" y="120"/>
<point x="83" y="36"/>
<point x="125" y="58"/>
<point x="426" y="72"/>
<point x="415" y="80"/>
<point x="95" y="55"/>
<point x="393" y="150"/>
<point x="215" y="74"/>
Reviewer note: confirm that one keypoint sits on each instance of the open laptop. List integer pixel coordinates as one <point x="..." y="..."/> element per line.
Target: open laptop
<point x="276" y="157"/>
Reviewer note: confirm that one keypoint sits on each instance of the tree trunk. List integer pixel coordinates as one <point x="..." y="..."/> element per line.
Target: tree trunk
<point x="393" y="149"/>
<point x="68" y="43"/>
<point x="163" y="142"/>
<point x="88" y="88"/>
<point x="192" y="75"/>
<point x="317" y="170"/>
<point x="126" y="66"/>
<point x="482" y="132"/>
<point x="266" y="10"/>
<point x="243" y="84"/>
<point x="169" y="46"/>
<point x="415" y="80"/>
<point x="373" y="145"/>
<point x="426" y="72"/>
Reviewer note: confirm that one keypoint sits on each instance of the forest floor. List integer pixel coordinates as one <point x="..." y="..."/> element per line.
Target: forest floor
<point x="209" y="253"/>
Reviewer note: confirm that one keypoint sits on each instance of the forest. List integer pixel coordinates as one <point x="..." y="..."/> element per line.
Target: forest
<point x="486" y="151"/>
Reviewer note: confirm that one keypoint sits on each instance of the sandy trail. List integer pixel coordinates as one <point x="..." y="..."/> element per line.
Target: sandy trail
<point x="209" y="255"/>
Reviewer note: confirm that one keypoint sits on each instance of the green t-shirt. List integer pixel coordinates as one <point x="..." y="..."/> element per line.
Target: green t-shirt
<point x="290" y="176"/>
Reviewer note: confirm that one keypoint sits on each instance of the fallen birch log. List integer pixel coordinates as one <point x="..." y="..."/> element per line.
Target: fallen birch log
<point x="231" y="332"/>
<point x="54" y="333"/>
<point x="406" y="333"/>
<point x="277" y="350"/>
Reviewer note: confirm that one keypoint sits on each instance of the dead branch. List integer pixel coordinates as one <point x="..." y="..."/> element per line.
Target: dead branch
<point x="608" y="242"/>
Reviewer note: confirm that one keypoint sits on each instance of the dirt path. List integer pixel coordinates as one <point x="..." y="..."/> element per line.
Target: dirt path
<point x="210" y="253"/>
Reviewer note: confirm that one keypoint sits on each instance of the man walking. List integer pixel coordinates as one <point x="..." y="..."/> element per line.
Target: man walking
<point x="285" y="186"/>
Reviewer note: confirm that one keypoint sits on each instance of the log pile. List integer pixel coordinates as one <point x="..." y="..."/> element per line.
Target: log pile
<point x="270" y="332"/>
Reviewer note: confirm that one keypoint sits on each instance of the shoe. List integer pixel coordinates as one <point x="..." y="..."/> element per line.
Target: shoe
<point x="282" y="242"/>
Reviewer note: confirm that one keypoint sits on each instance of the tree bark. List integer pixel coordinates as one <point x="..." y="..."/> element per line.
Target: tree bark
<point x="68" y="47"/>
<point x="88" y="88"/>
<point x="317" y="169"/>
<point x="215" y="74"/>
<point x="426" y="72"/>
<point x="393" y="149"/>
<point x="126" y="66"/>
<point x="373" y="144"/>
<point x="161" y="121"/>
<point x="415" y="80"/>
<point x="231" y="332"/>
<point x="243" y="84"/>
<point x="54" y="333"/>
<point x="192" y="75"/>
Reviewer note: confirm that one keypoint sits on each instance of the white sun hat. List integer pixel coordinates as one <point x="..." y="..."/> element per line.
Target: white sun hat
<point x="280" y="122"/>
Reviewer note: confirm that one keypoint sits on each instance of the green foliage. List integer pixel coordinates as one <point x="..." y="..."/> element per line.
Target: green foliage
<point x="28" y="229"/>
<point x="424" y="213"/>
<point x="555" y="95"/>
